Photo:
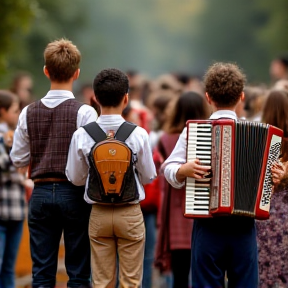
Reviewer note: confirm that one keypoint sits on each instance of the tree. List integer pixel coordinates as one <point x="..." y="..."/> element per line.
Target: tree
<point x="52" y="20"/>
<point x="15" y="14"/>
<point x="248" y="32"/>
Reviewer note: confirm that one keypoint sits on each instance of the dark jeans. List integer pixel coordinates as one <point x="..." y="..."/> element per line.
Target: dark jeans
<point x="224" y="245"/>
<point x="10" y="236"/>
<point x="150" y="241"/>
<point x="181" y="262"/>
<point x="55" y="208"/>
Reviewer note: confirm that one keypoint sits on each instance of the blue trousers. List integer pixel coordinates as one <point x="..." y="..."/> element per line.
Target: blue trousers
<point x="231" y="249"/>
<point x="10" y="236"/>
<point x="55" y="208"/>
<point x="149" y="255"/>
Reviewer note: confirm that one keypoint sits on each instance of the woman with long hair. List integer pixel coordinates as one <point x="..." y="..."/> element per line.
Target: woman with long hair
<point x="272" y="235"/>
<point x="173" y="249"/>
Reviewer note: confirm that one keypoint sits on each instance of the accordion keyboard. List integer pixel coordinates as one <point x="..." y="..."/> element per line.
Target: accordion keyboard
<point x="199" y="145"/>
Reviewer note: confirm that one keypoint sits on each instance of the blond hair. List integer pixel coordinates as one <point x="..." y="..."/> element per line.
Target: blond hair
<point x="62" y="59"/>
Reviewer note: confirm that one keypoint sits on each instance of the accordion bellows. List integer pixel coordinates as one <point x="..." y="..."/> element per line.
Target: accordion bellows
<point x="241" y="154"/>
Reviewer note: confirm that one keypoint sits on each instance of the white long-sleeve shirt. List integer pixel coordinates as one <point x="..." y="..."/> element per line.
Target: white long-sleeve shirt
<point x="20" y="153"/>
<point x="178" y="155"/>
<point x="77" y="169"/>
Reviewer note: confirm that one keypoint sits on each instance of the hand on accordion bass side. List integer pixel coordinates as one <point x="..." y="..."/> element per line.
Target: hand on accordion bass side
<point x="193" y="169"/>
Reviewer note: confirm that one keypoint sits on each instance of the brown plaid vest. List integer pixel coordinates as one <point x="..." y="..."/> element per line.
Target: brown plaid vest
<point x="50" y="131"/>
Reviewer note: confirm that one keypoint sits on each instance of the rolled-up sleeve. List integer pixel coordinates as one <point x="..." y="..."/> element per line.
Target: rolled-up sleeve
<point x="77" y="168"/>
<point x="147" y="170"/>
<point x="86" y="114"/>
<point x="20" y="152"/>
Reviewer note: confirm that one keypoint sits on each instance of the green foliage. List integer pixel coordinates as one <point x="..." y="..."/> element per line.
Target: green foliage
<point x="249" y="32"/>
<point x="53" y="20"/>
<point x="15" y="16"/>
<point x="152" y="36"/>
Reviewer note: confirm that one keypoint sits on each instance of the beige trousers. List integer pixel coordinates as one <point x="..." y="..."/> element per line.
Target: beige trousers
<point x="117" y="229"/>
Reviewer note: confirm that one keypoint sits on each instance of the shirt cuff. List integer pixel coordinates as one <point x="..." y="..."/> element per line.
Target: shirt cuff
<point x="170" y="175"/>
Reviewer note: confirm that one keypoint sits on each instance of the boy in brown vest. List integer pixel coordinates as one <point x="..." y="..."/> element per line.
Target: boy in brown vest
<point x="42" y="140"/>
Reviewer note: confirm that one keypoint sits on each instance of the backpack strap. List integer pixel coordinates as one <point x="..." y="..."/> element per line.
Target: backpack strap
<point x="94" y="130"/>
<point x="124" y="131"/>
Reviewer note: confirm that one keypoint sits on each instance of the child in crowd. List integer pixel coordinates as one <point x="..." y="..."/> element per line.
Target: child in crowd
<point x="223" y="244"/>
<point x="113" y="228"/>
<point x="12" y="192"/>
<point x="42" y="140"/>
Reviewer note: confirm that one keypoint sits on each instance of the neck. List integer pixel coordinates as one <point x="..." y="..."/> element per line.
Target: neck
<point x="62" y="86"/>
<point x="111" y="110"/>
<point x="225" y="108"/>
<point x="215" y="108"/>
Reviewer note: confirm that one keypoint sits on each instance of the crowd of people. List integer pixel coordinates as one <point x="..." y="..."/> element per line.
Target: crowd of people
<point x="46" y="175"/>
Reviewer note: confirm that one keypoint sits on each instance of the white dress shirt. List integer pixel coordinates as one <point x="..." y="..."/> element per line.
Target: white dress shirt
<point x="77" y="169"/>
<point x="178" y="155"/>
<point x="20" y="153"/>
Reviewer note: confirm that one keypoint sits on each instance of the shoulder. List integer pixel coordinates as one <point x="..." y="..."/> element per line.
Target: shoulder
<point x="85" y="107"/>
<point x="87" y="111"/>
<point x="81" y="137"/>
<point x="141" y="132"/>
<point x="80" y="132"/>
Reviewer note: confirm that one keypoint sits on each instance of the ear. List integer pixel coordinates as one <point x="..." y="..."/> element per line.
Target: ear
<point x="125" y="100"/>
<point x="46" y="72"/>
<point x="242" y="97"/>
<point x="76" y="74"/>
<point x="208" y="98"/>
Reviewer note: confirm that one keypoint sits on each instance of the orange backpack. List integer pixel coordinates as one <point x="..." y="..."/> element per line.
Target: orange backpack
<point x="111" y="173"/>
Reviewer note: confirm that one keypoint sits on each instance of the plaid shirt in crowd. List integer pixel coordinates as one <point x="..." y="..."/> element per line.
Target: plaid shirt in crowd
<point x="12" y="193"/>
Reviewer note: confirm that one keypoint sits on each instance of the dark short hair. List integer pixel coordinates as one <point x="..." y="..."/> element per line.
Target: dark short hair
<point x="224" y="83"/>
<point x="110" y="86"/>
<point x="7" y="98"/>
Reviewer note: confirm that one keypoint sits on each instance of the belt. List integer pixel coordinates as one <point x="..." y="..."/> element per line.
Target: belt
<point x="42" y="180"/>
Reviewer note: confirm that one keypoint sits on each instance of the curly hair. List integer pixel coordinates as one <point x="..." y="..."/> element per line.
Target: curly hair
<point x="62" y="59"/>
<point x="110" y="86"/>
<point x="224" y="83"/>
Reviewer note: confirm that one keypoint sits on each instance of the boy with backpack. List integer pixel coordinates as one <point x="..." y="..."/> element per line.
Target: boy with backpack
<point x="102" y="155"/>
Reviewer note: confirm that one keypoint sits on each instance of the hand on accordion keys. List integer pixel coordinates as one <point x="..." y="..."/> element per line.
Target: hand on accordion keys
<point x="278" y="172"/>
<point x="193" y="169"/>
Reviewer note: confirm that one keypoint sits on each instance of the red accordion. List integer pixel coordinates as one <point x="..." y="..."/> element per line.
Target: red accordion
<point x="240" y="154"/>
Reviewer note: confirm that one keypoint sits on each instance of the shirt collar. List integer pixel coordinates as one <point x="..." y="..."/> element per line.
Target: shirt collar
<point x="224" y="114"/>
<point x="56" y="94"/>
<point x="4" y="127"/>
<point x="110" y="118"/>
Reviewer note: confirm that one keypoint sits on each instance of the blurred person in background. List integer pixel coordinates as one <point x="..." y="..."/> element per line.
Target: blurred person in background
<point x="190" y="82"/>
<point x="174" y="240"/>
<point x="279" y="68"/>
<point x="281" y="85"/>
<point x="22" y="86"/>
<point x="255" y="97"/>
<point x="272" y="234"/>
<point x="12" y="192"/>
<point x="86" y="95"/>
<point x="151" y="204"/>
<point x="168" y="83"/>
<point x="139" y="89"/>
